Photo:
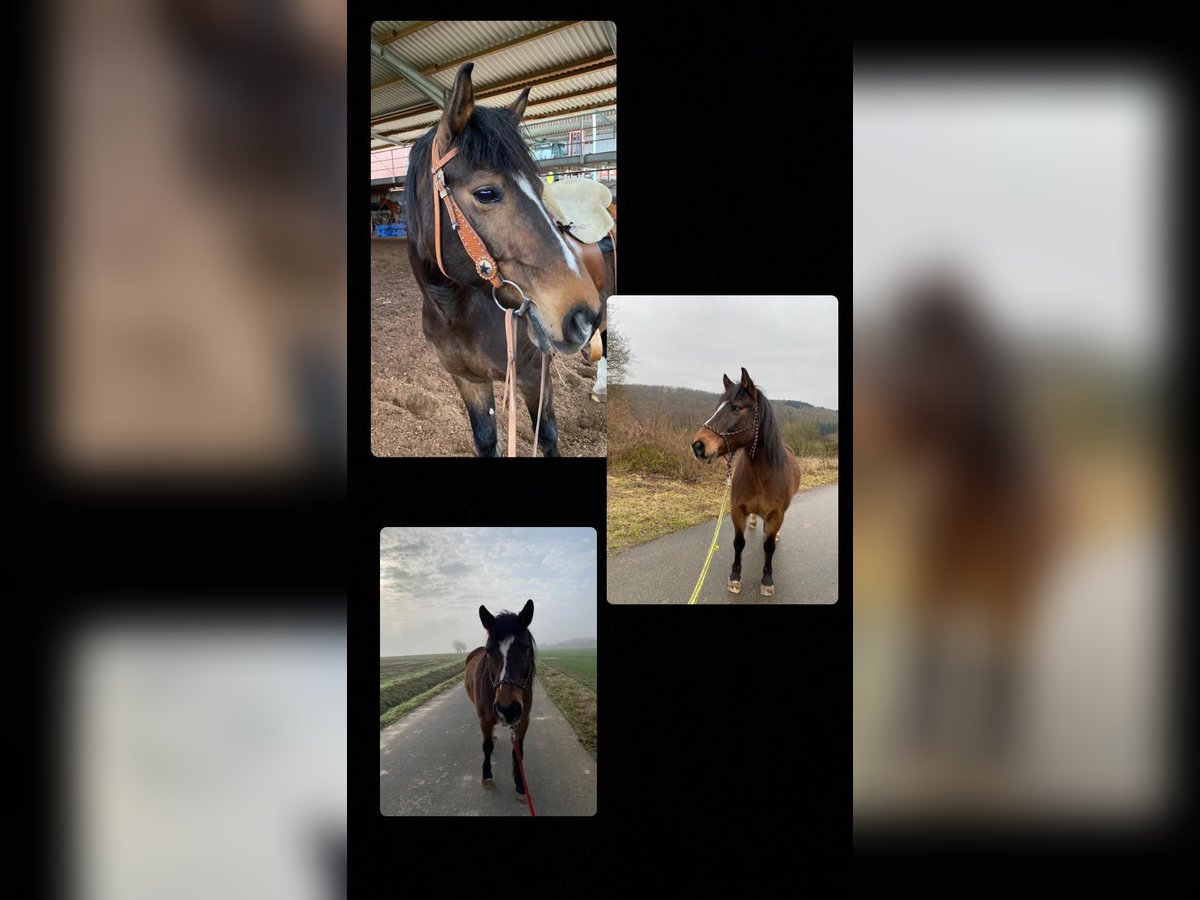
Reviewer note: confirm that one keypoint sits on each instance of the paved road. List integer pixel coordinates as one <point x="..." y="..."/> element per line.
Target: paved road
<point x="431" y="761"/>
<point x="804" y="567"/>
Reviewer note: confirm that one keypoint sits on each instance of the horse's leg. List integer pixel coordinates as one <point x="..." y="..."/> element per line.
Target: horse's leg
<point x="522" y="727"/>
<point x="481" y="410"/>
<point x="600" y="385"/>
<point x="487" y="725"/>
<point x="738" y="515"/>
<point x="771" y="525"/>
<point x="548" y="432"/>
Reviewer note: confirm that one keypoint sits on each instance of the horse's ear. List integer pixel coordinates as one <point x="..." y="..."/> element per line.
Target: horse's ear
<point x="526" y="614"/>
<point x="458" y="109"/>
<point x="747" y="383"/>
<point x="728" y="383"/>
<point x="518" y="105"/>
<point x="486" y="617"/>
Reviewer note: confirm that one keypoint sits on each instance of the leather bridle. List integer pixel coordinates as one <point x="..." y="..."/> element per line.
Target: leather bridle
<point x="521" y="684"/>
<point x="487" y="269"/>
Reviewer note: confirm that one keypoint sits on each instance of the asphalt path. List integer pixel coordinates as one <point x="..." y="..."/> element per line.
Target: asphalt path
<point x="805" y="566"/>
<point x="431" y="763"/>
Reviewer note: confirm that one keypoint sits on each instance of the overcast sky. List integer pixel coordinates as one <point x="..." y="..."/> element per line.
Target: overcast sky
<point x="432" y="581"/>
<point x="1047" y="192"/>
<point x="788" y="344"/>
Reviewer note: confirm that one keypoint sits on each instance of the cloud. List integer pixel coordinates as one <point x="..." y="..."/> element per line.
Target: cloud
<point x="432" y="581"/>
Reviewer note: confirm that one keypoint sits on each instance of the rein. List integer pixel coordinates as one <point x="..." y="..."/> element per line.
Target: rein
<point x="523" y="685"/>
<point x="487" y="269"/>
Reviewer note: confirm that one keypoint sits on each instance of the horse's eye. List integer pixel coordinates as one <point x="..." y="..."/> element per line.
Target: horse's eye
<point x="486" y="195"/>
<point x="736" y="408"/>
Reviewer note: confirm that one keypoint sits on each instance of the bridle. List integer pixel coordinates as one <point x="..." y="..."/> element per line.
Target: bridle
<point x="725" y="435"/>
<point x="521" y="684"/>
<point x="487" y="269"/>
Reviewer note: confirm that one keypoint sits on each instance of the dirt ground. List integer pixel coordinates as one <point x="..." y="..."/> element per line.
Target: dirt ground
<point x="415" y="407"/>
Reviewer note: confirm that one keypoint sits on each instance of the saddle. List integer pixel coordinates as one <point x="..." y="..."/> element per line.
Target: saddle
<point x="585" y="212"/>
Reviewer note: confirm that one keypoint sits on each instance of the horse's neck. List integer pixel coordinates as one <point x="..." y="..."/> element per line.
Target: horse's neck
<point x="452" y="298"/>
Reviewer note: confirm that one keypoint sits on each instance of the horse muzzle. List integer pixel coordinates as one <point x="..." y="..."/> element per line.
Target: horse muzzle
<point x="576" y="328"/>
<point x="508" y="715"/>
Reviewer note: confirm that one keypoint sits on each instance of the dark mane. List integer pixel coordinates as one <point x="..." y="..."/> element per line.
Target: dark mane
<point x="491" y="140"/>
<point x="770" y="441"/>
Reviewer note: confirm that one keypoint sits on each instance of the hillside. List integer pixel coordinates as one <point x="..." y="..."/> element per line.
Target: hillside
<point x="685" y="406"/>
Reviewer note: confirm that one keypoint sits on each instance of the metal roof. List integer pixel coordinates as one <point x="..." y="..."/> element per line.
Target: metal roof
<point x="570" y="65"/>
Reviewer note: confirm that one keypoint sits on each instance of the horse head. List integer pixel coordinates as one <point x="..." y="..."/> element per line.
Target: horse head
<point x="734" y="423"/>
<point x="509" y="660"/>
<point x="495" y="182"/>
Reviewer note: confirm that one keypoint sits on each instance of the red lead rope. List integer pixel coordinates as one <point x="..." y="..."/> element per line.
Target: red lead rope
<point x="521" y="766"/>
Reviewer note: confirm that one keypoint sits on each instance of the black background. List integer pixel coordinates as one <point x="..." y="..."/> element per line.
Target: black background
<point x="724" y="731"/>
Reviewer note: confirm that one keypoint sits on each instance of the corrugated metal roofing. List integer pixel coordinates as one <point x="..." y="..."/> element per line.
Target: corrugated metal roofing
<point x="444" y="42"/>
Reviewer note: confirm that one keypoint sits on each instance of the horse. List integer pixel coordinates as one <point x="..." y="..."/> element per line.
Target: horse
<point x="766" y="477"/>
<point x="937" y="413"/>
<point x="494" y="247"/>
<point x="499" y="681"/>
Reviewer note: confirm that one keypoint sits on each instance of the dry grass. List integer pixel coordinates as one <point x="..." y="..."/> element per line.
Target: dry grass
<point x="656" y="486"/>
<point x="643" y="508"/>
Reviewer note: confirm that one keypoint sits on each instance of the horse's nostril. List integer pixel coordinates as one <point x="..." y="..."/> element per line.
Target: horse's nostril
<point x="698" y="448"/>
<point x="579" y="323"/>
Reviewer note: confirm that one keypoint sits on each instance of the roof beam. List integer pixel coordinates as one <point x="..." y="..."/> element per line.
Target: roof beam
<point x="562" y="114"/>
<point x="515" y="42"/>
<point x="383" y="137"/>
<point x="418" y="79"/>
<point x="534" y="79"/>
<point x="532" y="103"/>
<point x="405" y="32"/>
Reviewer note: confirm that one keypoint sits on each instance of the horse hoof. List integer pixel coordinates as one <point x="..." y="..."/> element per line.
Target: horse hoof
<point x="735" y="587"/>
<point x="488" y="783"/>
<point x="520" y="797"/>
<point x="767" y="590"/>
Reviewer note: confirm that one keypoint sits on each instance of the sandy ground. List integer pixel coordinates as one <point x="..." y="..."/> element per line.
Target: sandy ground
<point x="415" y="407"/>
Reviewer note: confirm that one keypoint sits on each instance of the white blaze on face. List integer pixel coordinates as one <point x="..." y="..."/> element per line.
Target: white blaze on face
<point x="532" y="194"/>
<point x="717" y="410"/>
<point x="504" y="648"/>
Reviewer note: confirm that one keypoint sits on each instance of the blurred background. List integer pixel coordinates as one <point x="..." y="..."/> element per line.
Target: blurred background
<point x="1013" y="262"/>
<point x="193" y="345"/>
<point x="196" y="242"/>
<point x="199" y="758"/>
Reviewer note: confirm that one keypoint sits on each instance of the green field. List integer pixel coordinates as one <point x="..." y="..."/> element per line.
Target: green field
<point x="569" y="677"/>
<point x="393" y="666"/>
<point x="579" y="664"/>
<point x="405" y="682"/>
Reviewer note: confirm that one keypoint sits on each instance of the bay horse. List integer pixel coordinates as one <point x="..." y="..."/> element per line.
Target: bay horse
<point x="499" y="681"/>
<point x="494" y="246"/>
<point x="766" y="477"/>
<point x="938" y="408"/>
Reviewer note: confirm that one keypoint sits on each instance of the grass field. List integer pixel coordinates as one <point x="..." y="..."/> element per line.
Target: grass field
<point x="569" y="677"/>
<point x="405" y="682"/>
<point x="579" y="664"/>
<point x="643" y="508"/>
<point x="394" y="666"/>
<point x="657" y="487"/>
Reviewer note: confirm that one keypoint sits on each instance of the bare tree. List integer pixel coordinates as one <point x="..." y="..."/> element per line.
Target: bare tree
<point x="459" y="646"/>
<point x="619" y="355"/>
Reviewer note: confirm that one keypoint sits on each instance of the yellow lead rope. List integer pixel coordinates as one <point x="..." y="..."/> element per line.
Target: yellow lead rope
<point x="712" y="549"/>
